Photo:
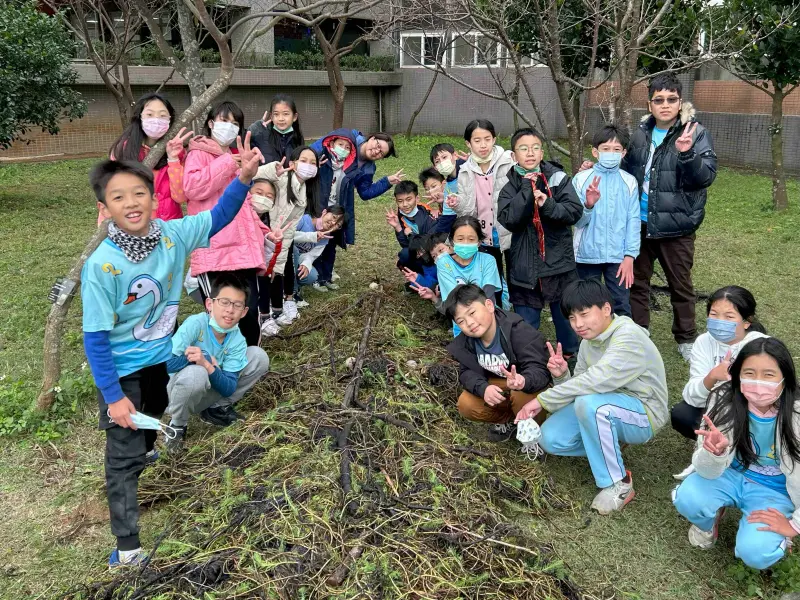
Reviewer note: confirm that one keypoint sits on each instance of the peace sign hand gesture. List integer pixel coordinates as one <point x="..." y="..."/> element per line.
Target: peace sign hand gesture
<point x="714" y="441"/>
<point x="393" y="221"/>
<point x="409" y="275"/>
<point x="280" y="169"/>
<point x="452" y="201"/>
<point x="686" y="140"/>
<point x="514" y="380"/>
<point x="251" y="158"/>
<point x="556" y="364"/>
<point x="175" y="145"/>
<point x="592" y="193"/>
<point x="461" y="155"/>
<point x="264" y="120"/>
<point x="396" y="178"/>
<point x="424" y="293"/>
<point x="276" y="233"/>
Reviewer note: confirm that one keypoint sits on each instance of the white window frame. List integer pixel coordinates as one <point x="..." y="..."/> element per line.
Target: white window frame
<point x="476" y="62"/>
<point x="411" y="63"/>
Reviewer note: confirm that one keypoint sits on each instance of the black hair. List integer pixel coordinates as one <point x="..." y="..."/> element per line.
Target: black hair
<point x="664" y="81"/>
<point x="730" y="411"/>
<point x="441" y="148"/>
<point x="478" y="124"/>
<point x="417" y="247"/>
<point x="229" y="279"/>
<point x="520" y="133"/>
<point x="103" y="171"/>
<point x="312" y="185"/>
<point x="223" y="109"/>
<point x="129" y="144"/>
<point x="463" y="294"/>
<point x="609" y="132"/>
<point x="584" y="294"/>
<point x="430" y="173"/>
<point x="434" y="239"/>
<point x="339" y="211"/>
<point x="469" y="221"/>
<point x="297" y="138"/>
<point x="384" y="137"/>
<point x="406" y="187"/>
<point x="742" y="300"/>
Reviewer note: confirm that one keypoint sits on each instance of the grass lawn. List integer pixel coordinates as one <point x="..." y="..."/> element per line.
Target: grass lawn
<point x="54" y="529"/>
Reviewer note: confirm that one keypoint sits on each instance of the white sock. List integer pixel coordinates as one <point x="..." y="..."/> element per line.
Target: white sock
<point x="125" y="556"/>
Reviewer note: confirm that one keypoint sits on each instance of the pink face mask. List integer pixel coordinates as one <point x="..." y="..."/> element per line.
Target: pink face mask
<point x="762" y="394"/>
<point x="155" y="127"/>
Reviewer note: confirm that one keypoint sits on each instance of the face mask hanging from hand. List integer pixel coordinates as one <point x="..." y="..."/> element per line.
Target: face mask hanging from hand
<point x="143" y="421"/>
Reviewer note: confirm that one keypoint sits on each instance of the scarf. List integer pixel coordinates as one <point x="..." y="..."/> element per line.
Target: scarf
<point x="533" y="177"/>
<point x="135" y="248"/>
<point x="482" y="161"/>
<point x="522" y="171"/>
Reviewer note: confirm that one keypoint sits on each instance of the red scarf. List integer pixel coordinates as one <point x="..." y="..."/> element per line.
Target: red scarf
<point x="537" y="218"/>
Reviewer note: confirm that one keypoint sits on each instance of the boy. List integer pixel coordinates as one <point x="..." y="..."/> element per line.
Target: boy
<point x="447" y="161"/>
<point x="618" y="394"/>
<point x="212" y="367"/>
<point x="310" y="238"/>
<point x="438" y="190"/>
<point x="130" y="288"/>
<point x="538" y="206"/>
<point x="262" y="197"/>
<point x="607" y="235"/>
<point x="503" y="360"/>
<point x="409" y="220"/>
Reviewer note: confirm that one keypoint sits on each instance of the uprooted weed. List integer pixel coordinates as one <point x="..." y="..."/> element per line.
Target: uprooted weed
<point x="387" y="498"/>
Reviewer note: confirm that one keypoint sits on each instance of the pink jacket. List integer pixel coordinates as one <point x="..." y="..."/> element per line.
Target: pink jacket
<point x="206" y="174"/>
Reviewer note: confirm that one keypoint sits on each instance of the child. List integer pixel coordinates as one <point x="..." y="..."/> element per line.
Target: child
<point x="212" y="367"/>
<point x="502" y="360"/>
<point x="731" y="323"/>
<point x="410" y="219"/>
<point x="130" y="288"/>
<point x="748" y="458"/>
<point x="210" y="167"/>
<point x="479" y="183"/>
<point x="606" y="240"/>
<point x="151" y="119"/>
<point x="310" y="240"/>
<point x="538" y="205"/>
<point x="617" y="395"/>
<point x="262" y="195"/>
<point x="279" y="132"/>
<point x="442" y="192"/>
<point x="447" y="161"/>
<point x="295" y="185"/>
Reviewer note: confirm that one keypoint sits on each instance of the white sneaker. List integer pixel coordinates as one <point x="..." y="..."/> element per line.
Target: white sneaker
<point x="614" y="497"/>
<point x="705" y="540"/>
<point x="686" y="351"/>
<point x="335" y="276"/>
<point x="319" y="287"/>
<point x="284" y="319"/>
<point x="270" y="328"/>
<point x="332" y="286"/>
<point x="290" y="308"/>
<point x="300" y="303"/>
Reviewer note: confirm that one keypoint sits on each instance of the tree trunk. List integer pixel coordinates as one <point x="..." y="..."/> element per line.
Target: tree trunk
<point x="193" y="71"/>
<point x="338" y="89"/>
<point x="419" y="108"/>
<point x="515" y="96"/>
<point x="124" y="109"/>
<point x="780" y="200"/>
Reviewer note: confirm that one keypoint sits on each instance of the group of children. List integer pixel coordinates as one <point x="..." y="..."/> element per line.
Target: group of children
<point x="503" y="234"/>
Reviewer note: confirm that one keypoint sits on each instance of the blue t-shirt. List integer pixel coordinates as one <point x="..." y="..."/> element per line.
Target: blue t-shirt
<point x="767" y="468"/>
<point x="481" y="270"/>
<point x="137" y="303"/>
<point x="231" y="354"/>
<point x="656" y="140"/>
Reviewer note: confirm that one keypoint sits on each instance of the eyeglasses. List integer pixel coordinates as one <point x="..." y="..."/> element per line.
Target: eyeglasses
<point x="227" y="303"/>
<point x="528" y="149"/>
<point x="659" y="101"/>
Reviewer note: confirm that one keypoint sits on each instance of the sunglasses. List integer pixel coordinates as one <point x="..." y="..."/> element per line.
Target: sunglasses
<point x="670" y="100"/>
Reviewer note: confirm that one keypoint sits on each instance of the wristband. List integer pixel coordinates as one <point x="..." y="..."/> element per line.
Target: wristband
<point x="794" y="526"/>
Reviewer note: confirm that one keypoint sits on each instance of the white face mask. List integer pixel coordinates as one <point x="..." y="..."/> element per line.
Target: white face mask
<point x="225" y="133"/>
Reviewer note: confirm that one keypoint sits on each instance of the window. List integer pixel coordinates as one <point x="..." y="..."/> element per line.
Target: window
<point x="421" y="49"/>
<point x="474" y="50"/>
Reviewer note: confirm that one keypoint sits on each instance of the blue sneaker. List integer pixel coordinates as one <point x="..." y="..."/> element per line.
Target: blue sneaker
<point x="136" y="560"/>
<point x="151" y="457"/>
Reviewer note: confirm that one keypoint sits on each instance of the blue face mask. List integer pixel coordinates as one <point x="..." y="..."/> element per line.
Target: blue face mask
<point x="609" y="160"/>
<point x="440" y="258"/>
<point x="411" y="214"/>
<point x="466" y="251"/>
<point x="289" y="129"/>
<point x="721" y="330"/>
<point x="219" y="328"/>
<point x="143" y="421"/>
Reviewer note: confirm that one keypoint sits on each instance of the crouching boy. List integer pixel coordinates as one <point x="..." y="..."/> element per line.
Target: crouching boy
<point x="617" y="395"/>
<point x="503" y="360"/>
<point x="212" y="367"/>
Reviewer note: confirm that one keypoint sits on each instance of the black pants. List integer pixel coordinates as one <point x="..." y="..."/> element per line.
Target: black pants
<point x="126" y="449"/>
<point x="686" y="418"/>
<point x="249" y="326"/>
<point x="497" y="255"/>
<point x="324" y="264"/>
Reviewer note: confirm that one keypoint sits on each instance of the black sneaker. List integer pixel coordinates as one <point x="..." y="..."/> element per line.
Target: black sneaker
<point x="221" y="417"/>
<point x="502" y="432"/>
<point x="175" y="444"/>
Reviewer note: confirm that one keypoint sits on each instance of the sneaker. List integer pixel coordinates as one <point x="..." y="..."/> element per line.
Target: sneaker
<point x="686" y="351"/>
<point x="136" y="560"/>
<point x="290" y="308"/>
<point x="175" y="445"/>
<point x="335" y="276"/>
<point x="270" y="328"/>
<point x="298" y="300"/>
<point x="151" y="457"/>
<point x="319" y="286"/>
<point x="221" y="417"/>
<point x="502" y="432"/>
<point x="705" y="540"/>
<point x="331" y="286"/>
<point x="284" y="319"/>
<point x="614" y="497"/>
<point x="234" y="415"/>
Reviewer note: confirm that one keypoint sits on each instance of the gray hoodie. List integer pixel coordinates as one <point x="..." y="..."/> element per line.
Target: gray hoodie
<point x="621" y="360"/>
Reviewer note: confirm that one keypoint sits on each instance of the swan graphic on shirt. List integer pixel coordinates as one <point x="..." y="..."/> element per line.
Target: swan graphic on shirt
<point x="137" y="303"/>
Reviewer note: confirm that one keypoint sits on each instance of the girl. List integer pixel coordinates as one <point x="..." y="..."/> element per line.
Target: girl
<point x="239" y="247"/>
<point x="748" y="457"/>
<point x="732" y="323"/>
<point x="296" y="187"/>
<point x="479" y="183"/>
<point x="279" y="133"/>
<point x="151" y="119"/>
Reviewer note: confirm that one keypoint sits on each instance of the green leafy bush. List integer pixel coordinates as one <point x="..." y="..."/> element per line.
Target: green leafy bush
<point x="308" y="60"/>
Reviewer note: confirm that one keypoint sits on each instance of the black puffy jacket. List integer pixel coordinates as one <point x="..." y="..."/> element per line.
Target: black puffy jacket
<point x="676" y="203"/>
<point x="561" y="210"/>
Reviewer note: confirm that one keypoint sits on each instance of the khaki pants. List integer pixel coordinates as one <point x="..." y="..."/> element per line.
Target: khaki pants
<point x="474" y="408"/>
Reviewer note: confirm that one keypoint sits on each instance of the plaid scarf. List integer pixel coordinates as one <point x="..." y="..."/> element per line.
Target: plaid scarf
<point x="135" y="248"/>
